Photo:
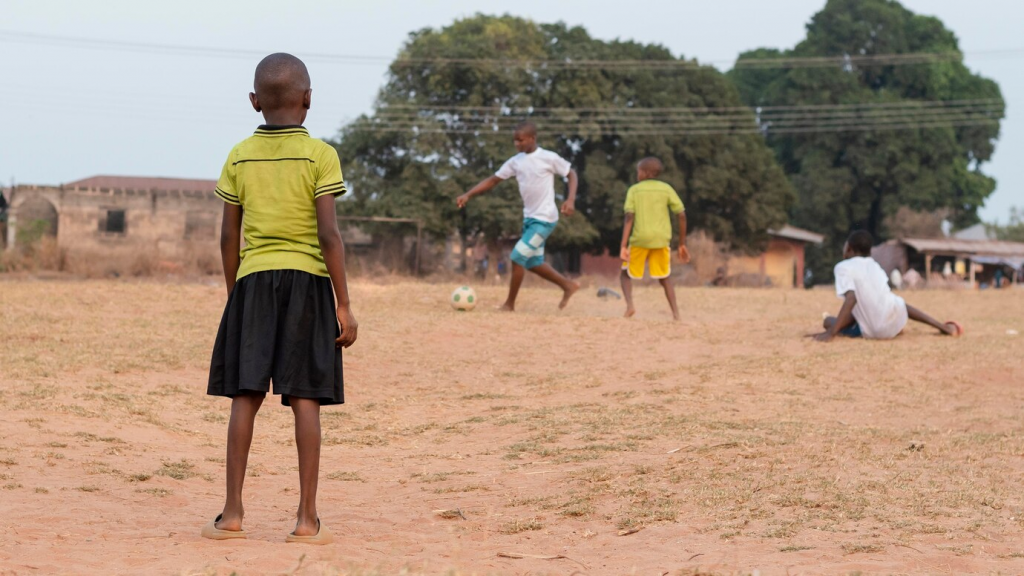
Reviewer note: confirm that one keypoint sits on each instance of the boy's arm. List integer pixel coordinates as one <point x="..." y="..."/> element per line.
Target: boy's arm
<point x="684" y="254"/>
<point x="479" y="189"/>
<point x="230" y="243"/>
<point x="627" y="230"/>
<point x="333" y="249"/>
<point x="844" y="319"/>
<point x="569" y="207"/>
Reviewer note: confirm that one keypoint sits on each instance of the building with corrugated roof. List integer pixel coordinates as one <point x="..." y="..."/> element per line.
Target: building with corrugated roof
<point x="975" y="262"/>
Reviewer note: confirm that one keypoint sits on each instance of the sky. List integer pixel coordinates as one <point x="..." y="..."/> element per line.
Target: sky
<point x="75" y="112"/>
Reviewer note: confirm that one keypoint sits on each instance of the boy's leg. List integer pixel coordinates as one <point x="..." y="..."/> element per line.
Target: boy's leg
<point x="243" y="414"/>
<point x="627" y="292"/>
<point x="307" y="440"/>
<point x="851" y="330"/>
<point x="659" y="261"/>
<point x="670" y="293"/>
<point x="518" y="273"/>
<point x="919" y="316"/>
<point x="546" y="272"/>
<point x="568" y="287"/>
<point x="529" y="254"/>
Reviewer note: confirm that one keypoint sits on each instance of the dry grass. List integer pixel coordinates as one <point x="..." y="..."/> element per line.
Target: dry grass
<point x="191" y="260"/>
<point x="552" y="432"/>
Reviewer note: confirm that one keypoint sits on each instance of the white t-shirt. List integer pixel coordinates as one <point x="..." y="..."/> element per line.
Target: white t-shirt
<point x="536" y="173"/>
<point x="880" y="313"/>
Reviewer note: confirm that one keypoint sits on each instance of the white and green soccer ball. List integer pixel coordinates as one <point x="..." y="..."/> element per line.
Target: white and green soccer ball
<point x="463" y="299"/>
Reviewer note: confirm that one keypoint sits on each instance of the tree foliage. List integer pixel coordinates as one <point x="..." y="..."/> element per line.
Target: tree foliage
<point x="730" y="183"/>
<point x="1013" y="230"/>
<point x="858" y="178"/>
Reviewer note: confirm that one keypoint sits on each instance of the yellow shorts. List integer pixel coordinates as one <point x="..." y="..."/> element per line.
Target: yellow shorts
<point x="658" y="260"/>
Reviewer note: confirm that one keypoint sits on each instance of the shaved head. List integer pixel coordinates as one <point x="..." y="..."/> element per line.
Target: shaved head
<point x="651" y="166"/>
<point x="526" y="129"/>
<point x="281" y="81"/>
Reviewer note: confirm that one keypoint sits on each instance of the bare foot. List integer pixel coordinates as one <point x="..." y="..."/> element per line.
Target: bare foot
<point x="567" y="293"/>
<point x="630" y="312"/>
<point x="307" y="528"/>
<point x="506" y="307"/>
<point x="229" y="523"/>
<point x="675" y="317"/>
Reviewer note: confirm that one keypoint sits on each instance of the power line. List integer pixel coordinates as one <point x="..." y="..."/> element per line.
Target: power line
<point x="682" y="118"/>
<point x="669" y="119"/>
<point x="638" y="109"/>
<point x="905" y="59"/>
<point x="675" y="118"/>
<point x="702" y="131"/>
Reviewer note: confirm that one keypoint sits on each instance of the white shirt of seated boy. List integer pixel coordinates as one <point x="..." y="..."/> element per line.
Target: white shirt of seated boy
<point x="879" y="313"/>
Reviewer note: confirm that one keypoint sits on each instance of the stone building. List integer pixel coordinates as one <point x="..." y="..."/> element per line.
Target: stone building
<point x="118" y="221"/>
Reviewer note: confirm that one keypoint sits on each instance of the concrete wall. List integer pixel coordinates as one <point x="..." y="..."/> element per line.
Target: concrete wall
<point x="161" y="226"/>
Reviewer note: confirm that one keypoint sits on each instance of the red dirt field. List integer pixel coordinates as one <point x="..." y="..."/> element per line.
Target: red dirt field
<point x="726" y="444"/>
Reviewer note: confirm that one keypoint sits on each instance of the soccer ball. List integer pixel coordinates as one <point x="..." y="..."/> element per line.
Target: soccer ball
<point x="463" y="299"/>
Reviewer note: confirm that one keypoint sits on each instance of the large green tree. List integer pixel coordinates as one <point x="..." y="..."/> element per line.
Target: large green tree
<point x="893" y="146"/>
<point x="443" y="121"/>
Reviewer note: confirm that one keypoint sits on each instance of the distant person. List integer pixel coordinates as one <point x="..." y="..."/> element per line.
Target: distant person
<point x="647" y="233"/>
<point x="960" y="269"/>
<point x="721" y="277"/>
<point x="896" y="279"/>
<point x="280" y="324"/>
<point x="535" y="169"/>
<point x="870" y="309"/>
<point x="912" y="279"/>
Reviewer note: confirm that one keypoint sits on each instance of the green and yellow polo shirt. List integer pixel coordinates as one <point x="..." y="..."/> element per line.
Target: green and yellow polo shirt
<point x="276" y="175"/>
<point x="650" y="201"/>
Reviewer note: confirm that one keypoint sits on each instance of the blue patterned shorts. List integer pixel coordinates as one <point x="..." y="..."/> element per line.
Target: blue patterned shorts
<point x="529" y="251"/>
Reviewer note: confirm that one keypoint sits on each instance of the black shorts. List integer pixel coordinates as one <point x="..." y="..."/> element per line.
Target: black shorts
<point x="280" y="326"/>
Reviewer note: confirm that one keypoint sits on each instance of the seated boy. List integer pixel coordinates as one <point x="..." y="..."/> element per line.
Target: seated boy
<point x="870" y="309"/>
<point x="647" y="233"/>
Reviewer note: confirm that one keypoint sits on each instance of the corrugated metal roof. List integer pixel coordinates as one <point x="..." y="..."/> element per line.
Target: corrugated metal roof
<point x="144" y="183"/>
<point x="794" y="233"/>
<point x="955" y="246"/>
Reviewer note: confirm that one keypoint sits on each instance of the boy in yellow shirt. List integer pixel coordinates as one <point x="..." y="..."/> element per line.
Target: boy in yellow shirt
<point x="648" y="232"/>
<point x="288" y="313"/>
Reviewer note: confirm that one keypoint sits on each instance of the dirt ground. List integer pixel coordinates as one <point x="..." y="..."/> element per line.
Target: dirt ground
<point x="722" y="445"/>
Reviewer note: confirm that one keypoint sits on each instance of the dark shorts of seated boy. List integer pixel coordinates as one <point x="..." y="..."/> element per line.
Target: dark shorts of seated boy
<point x="279" y="326"/>
<point x="852" y="331"/>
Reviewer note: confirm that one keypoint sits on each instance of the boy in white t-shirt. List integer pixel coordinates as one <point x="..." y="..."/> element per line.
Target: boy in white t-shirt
<point x="535" y="169"/>
<point x="870" y="309"/>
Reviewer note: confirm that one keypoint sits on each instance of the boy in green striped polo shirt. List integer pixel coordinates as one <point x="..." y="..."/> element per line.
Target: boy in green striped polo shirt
<point x="288" y="313"/>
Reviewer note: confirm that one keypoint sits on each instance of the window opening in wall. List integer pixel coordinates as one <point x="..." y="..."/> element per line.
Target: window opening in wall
<point x="114" y="222"/>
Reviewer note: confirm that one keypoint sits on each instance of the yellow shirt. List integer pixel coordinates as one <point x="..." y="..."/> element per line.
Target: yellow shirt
<point x="276" y="175"/>
<point x="650" y="201"/>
